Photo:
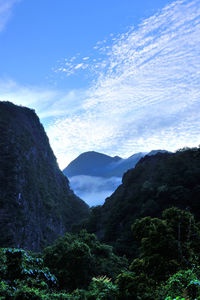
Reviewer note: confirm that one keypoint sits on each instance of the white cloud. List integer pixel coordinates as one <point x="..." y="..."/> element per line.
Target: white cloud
<point x="6" y="7"/>
<point x="147" y="94"/>
<point x="48" y="103"/>
<point x="72" y="65"/>
<point x="93" y="190"/>
<point x="78" y="66"/>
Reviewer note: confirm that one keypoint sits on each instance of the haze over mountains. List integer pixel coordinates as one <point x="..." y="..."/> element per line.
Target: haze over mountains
<point x="94" y="176"/>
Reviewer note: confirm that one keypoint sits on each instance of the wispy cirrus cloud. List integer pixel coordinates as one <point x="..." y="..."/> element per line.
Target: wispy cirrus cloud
<point x="6" y="7"/>
<point x="48" y="102"/>
<point x="147" y="91"/>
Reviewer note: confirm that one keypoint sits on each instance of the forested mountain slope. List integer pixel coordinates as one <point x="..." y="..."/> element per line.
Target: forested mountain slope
<point x="156" y="183"/>
<point x="36" y="203"/>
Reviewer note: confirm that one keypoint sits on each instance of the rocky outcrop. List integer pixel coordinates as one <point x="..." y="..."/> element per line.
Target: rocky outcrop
<point x="36" y="203"/>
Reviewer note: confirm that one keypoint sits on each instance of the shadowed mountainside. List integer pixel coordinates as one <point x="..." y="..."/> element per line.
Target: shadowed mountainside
<point x="156" y="183"/>
<point x="97" y="164"/>
<point x="36" y="203"/>
<point x="95" y="176"/>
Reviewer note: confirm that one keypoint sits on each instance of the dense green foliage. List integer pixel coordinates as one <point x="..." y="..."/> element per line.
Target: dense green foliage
<point x="167" y="246"/>
<point x="80" y="267"/>
<point x="168" y="260"/>
<point x="23" y="276"/>
<point x="156" y="183"/>
<point x="75" y="259"/>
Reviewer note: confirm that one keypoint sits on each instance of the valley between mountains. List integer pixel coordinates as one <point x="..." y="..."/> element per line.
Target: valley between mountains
<point x="95" y="176"/>
<point x="142" y="242"/>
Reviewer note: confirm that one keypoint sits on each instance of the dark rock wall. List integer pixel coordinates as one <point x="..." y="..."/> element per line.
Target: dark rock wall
<point x="36" y="203"/>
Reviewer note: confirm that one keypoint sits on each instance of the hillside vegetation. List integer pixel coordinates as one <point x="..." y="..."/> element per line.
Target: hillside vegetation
<point x="156" y="183"/>
<point x="80" y="267"/>
<point x="143" y="243"/>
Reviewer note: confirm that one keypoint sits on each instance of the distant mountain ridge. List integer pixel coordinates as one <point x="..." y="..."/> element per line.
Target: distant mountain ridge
<point x="95" y="176"/>
<point x="91" y="163"/>
<point x="97" y="164"/>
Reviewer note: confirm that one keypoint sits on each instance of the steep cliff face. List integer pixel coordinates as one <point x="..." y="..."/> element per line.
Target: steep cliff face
<point x="36" y="203"/>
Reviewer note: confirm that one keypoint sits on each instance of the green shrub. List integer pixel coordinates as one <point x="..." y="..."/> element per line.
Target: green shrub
<point x="27" y="293"/>
<point x="101" y="288"/>
<point x="183" y="284"/>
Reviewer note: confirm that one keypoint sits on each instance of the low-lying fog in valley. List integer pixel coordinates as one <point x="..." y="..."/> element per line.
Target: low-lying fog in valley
<point x="94" y="190"/>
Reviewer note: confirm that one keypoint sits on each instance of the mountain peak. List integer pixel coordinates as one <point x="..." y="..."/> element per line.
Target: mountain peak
<point x="153" y="152"/>
<point x="90" y="163"/>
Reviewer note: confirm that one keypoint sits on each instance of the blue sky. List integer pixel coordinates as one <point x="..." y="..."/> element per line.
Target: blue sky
<point x="114" y="76"/>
